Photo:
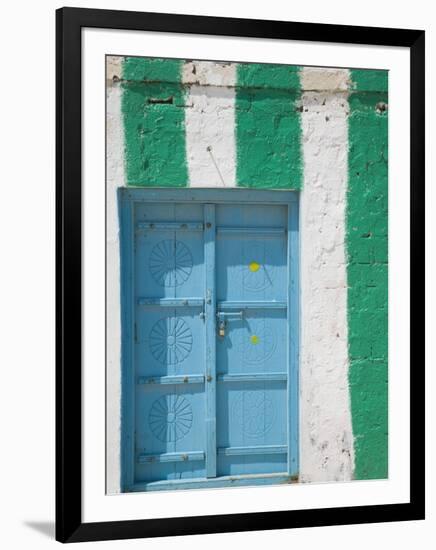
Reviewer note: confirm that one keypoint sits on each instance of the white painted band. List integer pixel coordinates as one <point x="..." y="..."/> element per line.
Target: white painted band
<point x="210" y="123"/>
<point x="115" y="178"/>
<point x="326" y="439"/>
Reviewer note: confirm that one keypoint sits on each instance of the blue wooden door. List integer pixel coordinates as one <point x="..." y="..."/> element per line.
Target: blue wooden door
<point x="207" y="346"/>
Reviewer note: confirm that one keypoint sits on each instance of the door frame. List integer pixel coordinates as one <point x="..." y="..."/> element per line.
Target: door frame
<point x="127" y="197"/>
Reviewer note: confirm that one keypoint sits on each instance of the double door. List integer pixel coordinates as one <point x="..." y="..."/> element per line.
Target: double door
<point x="208" y="379"/>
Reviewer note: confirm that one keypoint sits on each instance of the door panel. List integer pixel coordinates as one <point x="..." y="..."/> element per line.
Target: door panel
<point x="240" y="465"/>
<point x="256" y="343"/>
<point x="254" y="414"/>
<point x="169" y="341"/>
<point x="169" y="263"/>
<point x="169" y="420"/>
<point x="251" y="269"/>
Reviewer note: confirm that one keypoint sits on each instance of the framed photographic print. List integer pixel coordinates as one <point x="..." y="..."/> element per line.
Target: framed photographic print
<point x="240" y="269"/>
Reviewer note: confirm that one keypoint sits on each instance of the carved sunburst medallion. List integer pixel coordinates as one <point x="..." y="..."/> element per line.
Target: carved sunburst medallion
<point x="170" y="263"/>
<point x="170" y="417"/>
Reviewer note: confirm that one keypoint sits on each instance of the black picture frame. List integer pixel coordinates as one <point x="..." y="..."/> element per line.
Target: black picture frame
<point x="69" y="525"/>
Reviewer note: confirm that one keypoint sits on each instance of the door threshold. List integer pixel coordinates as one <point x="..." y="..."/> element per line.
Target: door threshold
<point x="216" y="482"/>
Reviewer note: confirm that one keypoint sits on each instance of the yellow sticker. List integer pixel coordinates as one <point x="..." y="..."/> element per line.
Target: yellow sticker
<point x="254" y="339"/>
<point x="254" y="266"/>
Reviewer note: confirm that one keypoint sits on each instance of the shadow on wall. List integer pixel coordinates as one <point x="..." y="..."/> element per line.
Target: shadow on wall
<point x="46" y="528"/>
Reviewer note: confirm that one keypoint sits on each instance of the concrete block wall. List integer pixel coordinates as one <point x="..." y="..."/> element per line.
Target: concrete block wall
<point x="321" y="131"/>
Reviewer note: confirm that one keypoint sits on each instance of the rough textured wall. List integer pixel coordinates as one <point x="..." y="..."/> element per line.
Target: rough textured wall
<point x="268" y="126"/>
<point x="210" y="123"/>
<point x="154" y="121"/>
<point x="115" y="168"/>
<point x="326" y="439"/>
<point x="322" y="132"/>
<point x="367" y="246"/>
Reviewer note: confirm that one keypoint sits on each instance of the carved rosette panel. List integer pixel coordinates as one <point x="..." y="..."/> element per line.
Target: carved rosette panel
<point x="170" y="340"/>
<point x="170" y="263"/>
<point x="170" y="418"/>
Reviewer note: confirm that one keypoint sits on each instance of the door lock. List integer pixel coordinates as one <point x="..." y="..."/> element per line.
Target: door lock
<point x="223" y="317"/>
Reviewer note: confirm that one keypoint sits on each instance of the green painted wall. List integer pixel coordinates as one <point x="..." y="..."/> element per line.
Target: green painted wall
<point x="367" y="248"/>
<point x="268" y="126"/>
<point x="154" y="122"/>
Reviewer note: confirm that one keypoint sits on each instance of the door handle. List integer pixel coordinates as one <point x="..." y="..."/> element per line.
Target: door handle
<point x="223" y="315"/>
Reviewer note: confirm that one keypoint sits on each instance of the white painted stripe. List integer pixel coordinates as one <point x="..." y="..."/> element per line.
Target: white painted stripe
<point x="115" y="179"/>
<point x="210" y="123"/>
<point x="326" y="452"/>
